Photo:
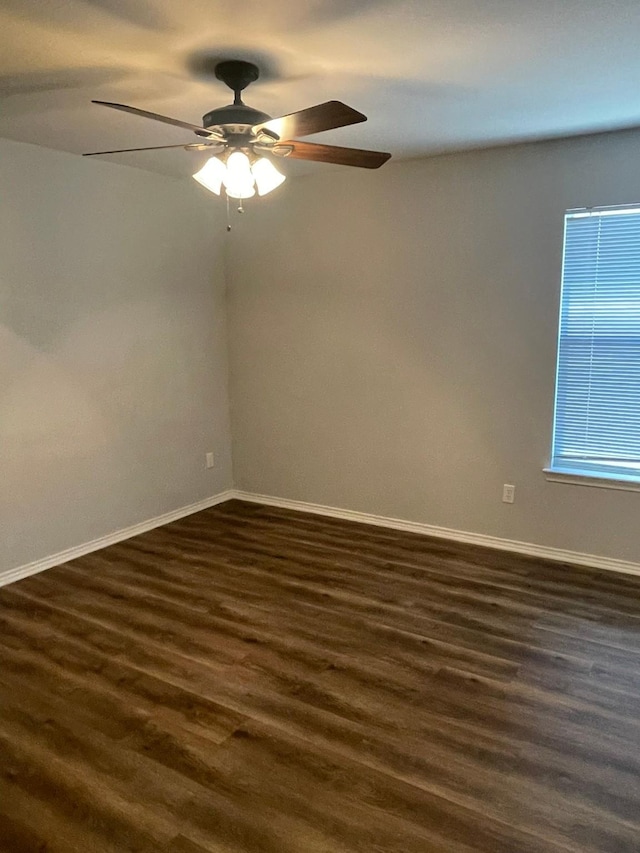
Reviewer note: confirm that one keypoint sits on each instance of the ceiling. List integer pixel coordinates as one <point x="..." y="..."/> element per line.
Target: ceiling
<point x="432" y="75"/>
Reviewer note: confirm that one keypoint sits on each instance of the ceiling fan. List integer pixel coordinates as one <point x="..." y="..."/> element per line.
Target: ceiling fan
<point x="244" y="140"/>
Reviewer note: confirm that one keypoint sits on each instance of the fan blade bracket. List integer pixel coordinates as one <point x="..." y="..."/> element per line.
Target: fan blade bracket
<point x="264" y="136"/>
<point x="281" y="150"/>
<point x="203" y="146"/>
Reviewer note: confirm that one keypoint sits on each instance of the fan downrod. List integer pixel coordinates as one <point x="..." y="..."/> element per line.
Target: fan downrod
<point x="237" y="74"/>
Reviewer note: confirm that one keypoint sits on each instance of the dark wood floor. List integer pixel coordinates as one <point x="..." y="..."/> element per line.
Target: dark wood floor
<point x="254" y="679"/>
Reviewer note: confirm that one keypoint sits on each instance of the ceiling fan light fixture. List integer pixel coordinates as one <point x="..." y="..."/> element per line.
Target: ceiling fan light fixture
<point x="212" y="174"/>
<point x="267" y="177"/>
<point x="238" y="176"/>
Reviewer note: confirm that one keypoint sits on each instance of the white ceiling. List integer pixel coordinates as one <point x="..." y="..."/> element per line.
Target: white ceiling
<point x="432" y="75"/>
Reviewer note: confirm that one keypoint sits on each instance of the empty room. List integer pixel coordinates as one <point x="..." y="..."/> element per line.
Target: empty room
<point x="319" y="426"/>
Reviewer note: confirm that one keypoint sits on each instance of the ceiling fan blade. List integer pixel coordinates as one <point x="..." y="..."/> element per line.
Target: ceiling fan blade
<point x="176" y="122"/>
<point x="189" y="146"/>
<point x="312" y="120"/>
<point x="332" y="154"/>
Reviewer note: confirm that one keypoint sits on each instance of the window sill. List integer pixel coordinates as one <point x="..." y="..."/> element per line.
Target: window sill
<point x="599" y="481"/>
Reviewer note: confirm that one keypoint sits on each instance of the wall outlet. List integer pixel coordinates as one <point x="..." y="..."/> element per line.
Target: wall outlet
<point x="209" y="459"/>
<point x="508" y="493"/>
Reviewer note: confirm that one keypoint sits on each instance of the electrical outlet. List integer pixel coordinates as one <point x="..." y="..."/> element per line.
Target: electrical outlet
<point x="209" y="459"/>
<point x="508" y="493"/>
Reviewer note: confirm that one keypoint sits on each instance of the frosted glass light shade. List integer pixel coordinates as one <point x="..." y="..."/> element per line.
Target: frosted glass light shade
<point x="238" y="170"/>
<point x="238" y="176"/>
<point x="238" y="179"/>
<point x="266" y="175"/>
<point x="211" y="175"/>
<point x="245" y="190"/>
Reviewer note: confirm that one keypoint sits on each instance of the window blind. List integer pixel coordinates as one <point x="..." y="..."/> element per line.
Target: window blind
<point x="597" y="409"/>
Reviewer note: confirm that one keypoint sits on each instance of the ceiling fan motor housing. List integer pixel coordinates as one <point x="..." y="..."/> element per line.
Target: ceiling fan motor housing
<point x="236" y="114"/>
<point x="236" y="117"/>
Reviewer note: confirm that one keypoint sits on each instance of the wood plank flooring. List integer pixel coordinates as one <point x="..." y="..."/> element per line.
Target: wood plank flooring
<point x="254" y="679"/>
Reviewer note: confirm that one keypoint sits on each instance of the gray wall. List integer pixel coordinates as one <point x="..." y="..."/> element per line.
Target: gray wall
<point x="113" y="371"/>
<point x="393" y="341"/>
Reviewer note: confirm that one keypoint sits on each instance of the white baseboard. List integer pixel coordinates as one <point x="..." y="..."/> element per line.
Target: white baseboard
<point x="528" y="548"/>
<point x="11" y="575"/>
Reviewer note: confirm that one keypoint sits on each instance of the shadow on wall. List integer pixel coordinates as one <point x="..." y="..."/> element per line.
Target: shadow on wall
<point x="73" y="417"/>
<point x="43" y="406"/>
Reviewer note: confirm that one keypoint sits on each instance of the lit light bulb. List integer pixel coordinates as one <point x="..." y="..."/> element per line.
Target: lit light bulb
<point x="211" y="175"/>
<point x="238" y="179"/>
<point x="238" y="168"/>
<point x="266" y="175"/>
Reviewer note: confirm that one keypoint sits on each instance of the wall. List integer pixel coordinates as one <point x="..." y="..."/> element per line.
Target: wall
<point x="393" y="341"/>
<point x="113" y="373"/>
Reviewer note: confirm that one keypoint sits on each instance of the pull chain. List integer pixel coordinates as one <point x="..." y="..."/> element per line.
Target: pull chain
<point x="240" y="209"/>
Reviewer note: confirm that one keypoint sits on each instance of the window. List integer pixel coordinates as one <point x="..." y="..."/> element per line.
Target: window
<point x="596" y="429"/>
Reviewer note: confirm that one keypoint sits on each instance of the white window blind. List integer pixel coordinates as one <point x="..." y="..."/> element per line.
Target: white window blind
<point x="597" y="411"/>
